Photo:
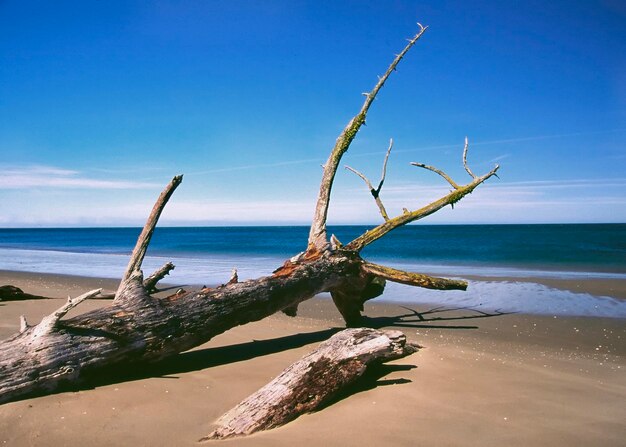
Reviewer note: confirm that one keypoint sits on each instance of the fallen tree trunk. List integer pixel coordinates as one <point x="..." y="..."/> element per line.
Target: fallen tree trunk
<point x="312" y="381"/>
<point x="137" y="327"/>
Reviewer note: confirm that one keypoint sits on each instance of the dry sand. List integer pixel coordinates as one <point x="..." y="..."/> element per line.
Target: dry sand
<point x="509" y="380"/>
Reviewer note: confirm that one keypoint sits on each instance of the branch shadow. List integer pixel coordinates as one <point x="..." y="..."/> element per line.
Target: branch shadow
<point x="423" y="320"/>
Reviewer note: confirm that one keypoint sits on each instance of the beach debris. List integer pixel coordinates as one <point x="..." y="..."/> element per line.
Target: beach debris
<point x="312" y="381"/>
<point x="12" y="293"/>
<point x="138" y="326"/>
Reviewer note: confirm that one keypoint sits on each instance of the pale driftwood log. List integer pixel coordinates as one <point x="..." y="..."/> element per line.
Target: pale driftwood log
<point x="137" y="327"/>
<point x="313" y="380"/>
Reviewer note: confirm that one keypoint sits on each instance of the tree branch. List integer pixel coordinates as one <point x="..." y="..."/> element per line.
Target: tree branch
<point x="376" y="191"/>
<point x="410" y="216"/>
<point x="469" y="171"/>
<point x="151" y="281"/>
<point x="317" y="234"/>
<point x="139" y="252"/>
<point x="413" y="279"/>
<point x="48" y="323"/>
<point x="438" y="171"/>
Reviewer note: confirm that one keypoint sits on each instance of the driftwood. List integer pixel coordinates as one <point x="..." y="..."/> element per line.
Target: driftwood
<point x="312" y="381"/>
<point x="12" y="293"/>
<point x="138" y="327"/>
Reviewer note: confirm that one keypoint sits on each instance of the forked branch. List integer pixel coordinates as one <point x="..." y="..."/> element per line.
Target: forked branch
<point x="139" y="252"/>
<point x="410" y="216"/>
<point x="376" y="191"/>
<point x="317" y="234"/>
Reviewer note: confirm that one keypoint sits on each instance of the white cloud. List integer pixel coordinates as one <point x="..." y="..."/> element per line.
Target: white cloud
<point x="53" y="177"/>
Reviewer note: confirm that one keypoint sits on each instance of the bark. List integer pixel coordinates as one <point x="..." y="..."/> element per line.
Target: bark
<point x="139" y="328"/>
<point x="312" y="381"/>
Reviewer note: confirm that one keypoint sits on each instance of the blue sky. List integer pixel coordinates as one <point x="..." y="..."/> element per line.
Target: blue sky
<point x="101" y="103"/>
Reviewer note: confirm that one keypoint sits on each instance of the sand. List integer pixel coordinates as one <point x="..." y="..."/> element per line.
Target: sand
<point x="514" y="380"/>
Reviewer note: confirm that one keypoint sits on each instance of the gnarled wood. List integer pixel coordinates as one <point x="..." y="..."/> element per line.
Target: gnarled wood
<point x="137" y="327"/>
<point x="313" y="380"/>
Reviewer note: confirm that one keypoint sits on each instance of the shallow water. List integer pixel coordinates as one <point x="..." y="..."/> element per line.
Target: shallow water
<point x="207" y="256"/>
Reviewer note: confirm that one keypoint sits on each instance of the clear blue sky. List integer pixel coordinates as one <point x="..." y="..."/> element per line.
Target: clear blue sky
<point x="101" y="103"/>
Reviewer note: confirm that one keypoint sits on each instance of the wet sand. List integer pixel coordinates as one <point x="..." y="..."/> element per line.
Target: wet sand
<point x="481" y="379"/>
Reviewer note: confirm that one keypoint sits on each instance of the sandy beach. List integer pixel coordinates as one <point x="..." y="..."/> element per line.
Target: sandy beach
<point x="513" y="379"/>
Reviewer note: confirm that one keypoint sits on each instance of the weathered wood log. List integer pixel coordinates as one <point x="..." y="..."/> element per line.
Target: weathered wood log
<point x="12" y="293"/>
<point x="139" y="328"/>
<point x="312" y="381"/>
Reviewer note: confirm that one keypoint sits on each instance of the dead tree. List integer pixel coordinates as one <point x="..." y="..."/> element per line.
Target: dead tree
<point x="138" y="327"/>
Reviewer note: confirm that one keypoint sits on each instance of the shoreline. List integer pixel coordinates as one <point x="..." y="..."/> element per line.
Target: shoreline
<point x="599" y="287"/>
<point x="487" y="380"/>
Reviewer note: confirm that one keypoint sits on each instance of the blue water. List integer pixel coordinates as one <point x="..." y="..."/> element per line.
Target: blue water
<point x="205" y="255"/>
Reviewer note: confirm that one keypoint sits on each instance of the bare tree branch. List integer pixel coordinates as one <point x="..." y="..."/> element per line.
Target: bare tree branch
<point x="469" y="171"/>
<point x="438" y="171"/>
<point x="139" y="252"/>
<point x="413" y="279"/>
<point x="48" y="323"/>
<point x="317" y="234"/>
<point x="384" y="172"/>
<point x="409" y="216"/>
<point x="376" y="191"/>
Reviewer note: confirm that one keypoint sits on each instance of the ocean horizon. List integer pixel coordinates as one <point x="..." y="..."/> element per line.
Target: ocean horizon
<point x="206" y="255"/>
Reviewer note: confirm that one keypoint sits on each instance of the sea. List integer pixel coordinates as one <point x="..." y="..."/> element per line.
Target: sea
<point x="502" y="253"/>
